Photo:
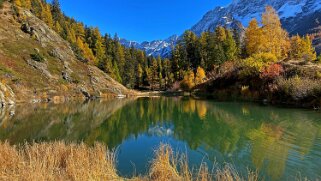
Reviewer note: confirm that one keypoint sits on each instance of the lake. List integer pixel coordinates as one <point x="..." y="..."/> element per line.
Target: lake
<point x="280" y="143"/>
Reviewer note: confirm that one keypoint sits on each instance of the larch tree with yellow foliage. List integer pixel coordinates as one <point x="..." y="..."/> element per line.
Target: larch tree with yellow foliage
<point x="254" y="38"/>
<point x="46" y="15"/>
<point x="27" y="4"/>
<point x="17" y="3"/>
<point x="85" y="50"/>
<point x="301" y="48"/>
<point x="275" y="38"/>
<point x="189" y="80"/>
<point x="58" y="27"/>
<point x="200" y="76"/>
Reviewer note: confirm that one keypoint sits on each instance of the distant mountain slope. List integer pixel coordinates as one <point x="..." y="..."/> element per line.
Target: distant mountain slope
<point x="290" y="11"/>
<point x="155" y="48"/>
<point x="59" y="75"/>
<point x="297" y="16"/>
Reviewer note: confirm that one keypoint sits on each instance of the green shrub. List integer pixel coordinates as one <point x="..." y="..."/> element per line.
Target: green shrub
<point x="37" y="57"/>
<point x="255" y="64"/>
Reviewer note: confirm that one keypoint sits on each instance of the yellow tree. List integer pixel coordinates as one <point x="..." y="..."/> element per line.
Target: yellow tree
<point x="296" y="47"/>
<point x="200" y="76"/>
<point x="85" y="50"/>
<point x="80" y="30"/>
<point x="58" y="27"/>
<point x="308" y="50"/>
<point x="71" y="35"/>
<point x="276" y="40"/>
<point x="189" y="80"/>
<point x="80" y="44"/>
<point x="17" y="3"/>
<point x="88" y="54"/>
<point x="46" y="15"/>
<point x="27" y="4"/>
<point x="302" y="48"/>
<point x="254" y="38"/>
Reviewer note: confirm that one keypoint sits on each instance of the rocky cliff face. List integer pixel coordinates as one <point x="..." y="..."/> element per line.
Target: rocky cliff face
<point x="58" y="76"/>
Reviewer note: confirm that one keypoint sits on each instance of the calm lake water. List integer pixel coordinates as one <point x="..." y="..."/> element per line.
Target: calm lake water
<point x="280" y="143"/>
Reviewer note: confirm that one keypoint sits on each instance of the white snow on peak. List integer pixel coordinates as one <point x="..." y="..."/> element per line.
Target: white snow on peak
<point x="290" y="10"/>
<point x="317" y="5"/>
<point x="246" y="19"/>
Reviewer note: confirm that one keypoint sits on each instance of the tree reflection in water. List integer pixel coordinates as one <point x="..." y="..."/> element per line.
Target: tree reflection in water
<point x="277" y="142"/>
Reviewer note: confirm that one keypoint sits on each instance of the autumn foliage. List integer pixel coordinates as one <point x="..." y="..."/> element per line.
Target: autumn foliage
<point x="270" y="38"/>
<point x="272" y="71"/>
<point x="301" y="48"/>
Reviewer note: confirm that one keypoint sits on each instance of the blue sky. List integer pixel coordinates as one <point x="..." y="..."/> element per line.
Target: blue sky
<point x="140" y="20"/>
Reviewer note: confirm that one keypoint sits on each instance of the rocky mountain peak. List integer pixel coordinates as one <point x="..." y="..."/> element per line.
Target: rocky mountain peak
<point x="297" y="16"/>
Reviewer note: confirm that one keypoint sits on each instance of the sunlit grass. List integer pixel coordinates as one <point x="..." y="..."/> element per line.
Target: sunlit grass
<point x="60" y="161"/>
<point x="56" y="161"/>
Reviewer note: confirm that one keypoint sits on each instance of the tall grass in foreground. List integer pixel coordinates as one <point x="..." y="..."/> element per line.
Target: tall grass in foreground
<point x="59" y="161"/>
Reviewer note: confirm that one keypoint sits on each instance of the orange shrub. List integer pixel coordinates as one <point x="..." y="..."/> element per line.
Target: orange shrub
<point x="272" y="71"/>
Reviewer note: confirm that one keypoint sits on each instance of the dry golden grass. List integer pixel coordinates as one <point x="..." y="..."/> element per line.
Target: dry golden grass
<point x="167" y="166"/>
<point x="58" y="161"/>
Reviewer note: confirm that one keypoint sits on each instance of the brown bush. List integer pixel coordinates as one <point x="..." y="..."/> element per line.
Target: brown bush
<point x="299" y="88"/>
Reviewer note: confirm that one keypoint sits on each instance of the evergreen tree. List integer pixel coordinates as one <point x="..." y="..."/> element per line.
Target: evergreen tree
<point x="175" y="61"/>
<point x="204" y="49"/>
<point x="154" y="72"/>
<point x="167" y="72"/>
<point x="230" y="47"/>
<point x="56" y="10"/>
<point x="219" y="47"/>
<point x="139" y="75"/>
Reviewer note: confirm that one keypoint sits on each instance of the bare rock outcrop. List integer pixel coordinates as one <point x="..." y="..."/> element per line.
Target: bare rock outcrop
<point x="7" y="97"/>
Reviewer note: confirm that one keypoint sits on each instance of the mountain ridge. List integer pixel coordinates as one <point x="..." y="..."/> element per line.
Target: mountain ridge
<point x="297" y="17"/>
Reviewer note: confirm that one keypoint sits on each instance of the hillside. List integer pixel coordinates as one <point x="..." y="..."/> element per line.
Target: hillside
<point x="37" y="64"/>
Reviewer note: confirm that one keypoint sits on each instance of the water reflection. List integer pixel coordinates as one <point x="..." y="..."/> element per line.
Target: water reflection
<point x="279" y="143"/>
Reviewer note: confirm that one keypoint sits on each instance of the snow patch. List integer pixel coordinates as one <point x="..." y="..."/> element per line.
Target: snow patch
<point x="317" y="5"/>
<point x="246" y="19"/>
<point x="290" y="10"/>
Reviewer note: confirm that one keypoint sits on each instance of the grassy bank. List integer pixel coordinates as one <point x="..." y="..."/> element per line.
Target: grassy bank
<point x="59" y="161"/>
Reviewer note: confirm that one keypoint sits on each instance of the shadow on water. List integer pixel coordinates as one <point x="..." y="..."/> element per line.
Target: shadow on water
<point x="280" y="143"/>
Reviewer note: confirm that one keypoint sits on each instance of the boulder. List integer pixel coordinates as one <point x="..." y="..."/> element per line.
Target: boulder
<point x="85" y="92"/>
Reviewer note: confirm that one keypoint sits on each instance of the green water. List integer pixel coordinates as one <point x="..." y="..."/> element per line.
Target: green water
<point x="280" y="143"/>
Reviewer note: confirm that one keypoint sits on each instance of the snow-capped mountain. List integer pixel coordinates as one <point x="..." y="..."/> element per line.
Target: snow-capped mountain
<point x="243" y="11"/>
<point x="154" y="48"/>
<point x="297" y="16"/>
